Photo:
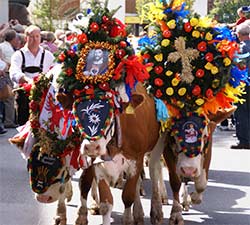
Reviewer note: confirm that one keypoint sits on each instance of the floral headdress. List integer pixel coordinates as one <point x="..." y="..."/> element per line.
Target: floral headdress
<point x="96" y="28"/>
<point x="191" y="65"/>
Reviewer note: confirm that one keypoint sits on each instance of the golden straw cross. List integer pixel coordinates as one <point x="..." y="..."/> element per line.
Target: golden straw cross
<point x="186" y="55"/>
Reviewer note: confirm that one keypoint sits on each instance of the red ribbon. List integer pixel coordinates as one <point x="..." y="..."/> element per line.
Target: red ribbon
<point x="135" y="71"/>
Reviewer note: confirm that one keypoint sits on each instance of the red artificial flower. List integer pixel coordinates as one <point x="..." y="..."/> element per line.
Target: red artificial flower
<point x="26" y="87"/>
<point x="199" y="73"/>
<point x="158" y="93"/>
<point x="82" y="38"/>
<point x="209" y="93"/>
<point x="94" y="27"/>
<point x="105" y="19"/>
<point x="89" y="89"/>
<point x="120" y="53"/>
<point x="33" y="105"/>
<point x="69" y="71"/>
<point x="62" y="57"/>
<point x="34" y="124"/>
<point x="196" y="90"/>
<point x="209" y="57"/>
<point x="123" y="44"/>
<point x="104" y="86"/>
<point x="71" y="53"/>
<point x="202" y="46"/>
<point x="158" y="69"/>
<point x="36" y="79"/>
<point x="104" y="27"/>
<point x="167" y="33"/>
<point x="187" y="27"/>
<point x="158" y="82"/>
<point x="118" y="29"/>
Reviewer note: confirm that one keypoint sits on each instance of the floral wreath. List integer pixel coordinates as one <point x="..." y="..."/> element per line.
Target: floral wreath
<point x="96" y="28"/>
<point x="192" y="61"/>
<point x="48" y="141"/>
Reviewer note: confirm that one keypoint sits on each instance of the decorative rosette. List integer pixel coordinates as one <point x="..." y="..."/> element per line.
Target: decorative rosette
<point x="190" y="65"/>
<point x="97" y="29"/>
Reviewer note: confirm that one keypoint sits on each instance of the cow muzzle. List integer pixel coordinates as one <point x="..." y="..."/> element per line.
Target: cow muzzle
<point x="45" y="198"/>
<point x="189" y="172"/>
<point x="92" y="149"/>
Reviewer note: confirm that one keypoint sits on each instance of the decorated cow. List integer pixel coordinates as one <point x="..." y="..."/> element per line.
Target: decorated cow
<point x="92" y="104"/>
<point x="194" y="78"/>
<point x="50" y="144"/>
<point x="113" y="112"/>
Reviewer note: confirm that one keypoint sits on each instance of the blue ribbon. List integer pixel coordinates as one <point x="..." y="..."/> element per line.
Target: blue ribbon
<point x="161" y="110"/>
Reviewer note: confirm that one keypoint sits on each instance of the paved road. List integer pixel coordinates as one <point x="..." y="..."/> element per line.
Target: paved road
<point x="226" y="200"/>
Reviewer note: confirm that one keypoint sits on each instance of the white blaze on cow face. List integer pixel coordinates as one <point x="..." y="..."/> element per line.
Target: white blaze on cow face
<point x="191" y="167"/>
<point x="98" y="147"/>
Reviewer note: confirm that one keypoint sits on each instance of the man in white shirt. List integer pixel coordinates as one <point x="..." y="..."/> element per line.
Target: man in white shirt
<point x="26" y="64"/>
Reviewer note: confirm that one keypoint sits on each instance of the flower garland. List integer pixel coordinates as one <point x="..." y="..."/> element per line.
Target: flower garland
<point x="96" y="28"/>
<point x="47" y="139"/>
<point x="190" y="65"/>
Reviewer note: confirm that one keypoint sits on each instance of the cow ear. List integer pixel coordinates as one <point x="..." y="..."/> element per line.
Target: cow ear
<point x="221" y="115"/>
<point x="65" y="99"/>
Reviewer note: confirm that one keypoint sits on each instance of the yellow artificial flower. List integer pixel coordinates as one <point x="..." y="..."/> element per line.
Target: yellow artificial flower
<point x="158" y="57"/>
<point x="205" y="22"/>
<point x="182" y="91"/>
<point x="214" y="70"/>
<point x="175" y="81"/>
<point x="171" y="24"/>
<point x="169" y="73"/>
<point x="180" y="104"/>
<point x="194" y="22"/>
<point x="209" y="66"/>
<point x="196" y="34"/>
<point x="215" y="83"/>
<point x="169" y="91"/>
<point x="209" y="36"/>
<point x="149" y="68"/>
<point x="165" y="42"/>
<point x="227" y="61"/>
<point x="199" y="101"/>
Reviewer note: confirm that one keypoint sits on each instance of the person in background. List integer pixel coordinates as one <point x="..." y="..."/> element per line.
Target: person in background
<point x="26" y="64"/>
<point x="60" y="35"/>
<point x="242" y="18"/>
<point x="3" y="81"/>
<point x="242" y="113"/>
<point x="49" y="42"/>
<point x="8" y="47"/>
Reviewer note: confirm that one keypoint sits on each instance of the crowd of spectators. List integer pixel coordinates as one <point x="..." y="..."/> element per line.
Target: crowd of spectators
<point x="31" y="41"/>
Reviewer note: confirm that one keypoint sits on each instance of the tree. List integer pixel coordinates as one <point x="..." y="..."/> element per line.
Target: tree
<point x="226" y="11"/>
<point x="45" y="13"/>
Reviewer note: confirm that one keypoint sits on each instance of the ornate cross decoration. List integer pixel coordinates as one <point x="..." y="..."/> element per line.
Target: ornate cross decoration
<point x="186" y="55"/>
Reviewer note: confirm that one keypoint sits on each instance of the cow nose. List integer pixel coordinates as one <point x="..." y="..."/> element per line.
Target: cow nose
<point x="44" y="198"/>
<point x="189" y="171"/>
<point x="92" y="149"/>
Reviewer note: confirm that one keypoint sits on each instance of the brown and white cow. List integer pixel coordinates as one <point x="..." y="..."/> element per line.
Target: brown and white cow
<point x="182" y="168"/>
<point x="139" y="134"/>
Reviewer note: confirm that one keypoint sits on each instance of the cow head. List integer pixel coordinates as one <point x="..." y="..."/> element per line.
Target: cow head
<point x="192" y="141"/>
<point x="49" y="177"/>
